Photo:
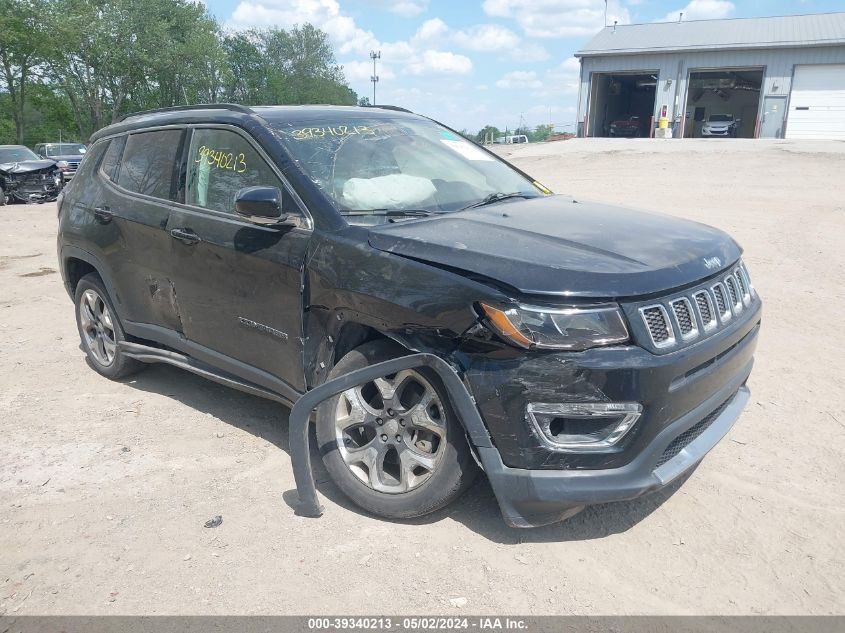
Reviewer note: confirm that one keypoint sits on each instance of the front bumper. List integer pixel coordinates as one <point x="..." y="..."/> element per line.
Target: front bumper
<point x="531" y="498"/>
<point x="690" y="398"/>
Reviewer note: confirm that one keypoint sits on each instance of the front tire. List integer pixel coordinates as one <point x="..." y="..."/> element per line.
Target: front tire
<point x="394" y="446"/>
<point x="100" y="330"/>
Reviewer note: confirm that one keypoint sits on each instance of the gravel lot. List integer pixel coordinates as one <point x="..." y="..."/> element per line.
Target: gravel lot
<point x="105" y="487"/>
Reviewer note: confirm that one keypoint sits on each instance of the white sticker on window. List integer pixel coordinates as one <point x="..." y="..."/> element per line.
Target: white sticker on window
<point x="466" y="149"/>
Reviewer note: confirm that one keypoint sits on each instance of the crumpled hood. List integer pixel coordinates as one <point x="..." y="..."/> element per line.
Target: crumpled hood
<point x="557" y="246"/>
<point x="27" y="166"/>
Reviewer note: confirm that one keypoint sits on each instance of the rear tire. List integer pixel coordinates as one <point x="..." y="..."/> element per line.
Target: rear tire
<point x="394" y="446"/>
<point x="100" y="330"/>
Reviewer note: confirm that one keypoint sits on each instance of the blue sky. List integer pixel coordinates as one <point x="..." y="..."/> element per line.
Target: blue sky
<point x="473" y="62"/>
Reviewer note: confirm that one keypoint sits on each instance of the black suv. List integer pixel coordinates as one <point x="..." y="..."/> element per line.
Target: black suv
<point x="274" y="248"/>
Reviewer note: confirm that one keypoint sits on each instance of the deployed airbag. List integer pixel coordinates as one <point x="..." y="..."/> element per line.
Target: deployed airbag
<point x="396" y="191"/>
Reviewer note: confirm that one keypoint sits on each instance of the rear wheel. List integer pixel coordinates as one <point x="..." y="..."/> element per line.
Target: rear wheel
<point x="394" y="446"/>
<point x="100" y="331"/>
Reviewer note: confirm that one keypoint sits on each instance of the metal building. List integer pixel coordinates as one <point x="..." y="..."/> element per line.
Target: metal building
<point x="777" y="77"/>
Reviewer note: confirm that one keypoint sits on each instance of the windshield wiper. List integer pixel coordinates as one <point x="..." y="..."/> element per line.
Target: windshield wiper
<point x="496" y="197"/>
<point x="391" y="213"/>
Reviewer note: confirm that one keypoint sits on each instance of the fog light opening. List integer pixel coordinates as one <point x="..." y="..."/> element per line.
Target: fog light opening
<point x="582" y="426"/>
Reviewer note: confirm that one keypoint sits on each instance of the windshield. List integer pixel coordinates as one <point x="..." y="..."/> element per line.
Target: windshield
<point x="382" y="165"/>
<point x="64" y="149"/>
<point x="16" y="154"/>
<point x="720" y="118"/>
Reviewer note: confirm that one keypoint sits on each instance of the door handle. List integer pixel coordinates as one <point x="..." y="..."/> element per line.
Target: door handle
<point x="103" y="214"/>
<point x="186" y="236"/>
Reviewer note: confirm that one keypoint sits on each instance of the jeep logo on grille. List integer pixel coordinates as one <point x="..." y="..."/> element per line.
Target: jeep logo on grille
<point x="712" y="262"/>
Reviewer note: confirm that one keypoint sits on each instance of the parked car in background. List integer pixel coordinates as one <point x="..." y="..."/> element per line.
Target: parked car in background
<point x="720" y="125"/>
<point x="70" y="153"/>
<point x="603" y="351"/>
<point x="632" y="126"/>
<point x="25" y="177"/>
<point x="516" y="139"/>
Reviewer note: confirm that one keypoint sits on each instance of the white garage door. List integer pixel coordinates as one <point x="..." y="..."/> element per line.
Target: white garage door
<point x="817" y="104"/>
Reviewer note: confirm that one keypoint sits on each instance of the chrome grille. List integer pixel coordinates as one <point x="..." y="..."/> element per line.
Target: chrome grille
<point x="659" y="327"/>
<point x="685" y="317"/>
<point x="722" y="302"/>
<point x="743" y="285"/>
<point x="733" y="293"/>
<point x="686" y="320"/>
<point x="705" y="308"/>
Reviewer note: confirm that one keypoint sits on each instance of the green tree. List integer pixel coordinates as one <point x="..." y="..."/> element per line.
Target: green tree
<point x="22" y="45"/>
<point x="540" y="133"/>
<point x="488" y="133"/>
<point x="246" y="78"/>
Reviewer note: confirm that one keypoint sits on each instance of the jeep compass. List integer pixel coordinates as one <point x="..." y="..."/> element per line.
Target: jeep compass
<point x="272" y="249"/>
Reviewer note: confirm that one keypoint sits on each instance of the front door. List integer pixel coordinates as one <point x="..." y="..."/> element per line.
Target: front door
<point x="238" y="285"/>
<point x="774" y="112"/>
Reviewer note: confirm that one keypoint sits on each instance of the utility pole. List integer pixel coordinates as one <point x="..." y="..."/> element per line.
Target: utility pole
<point x="374" y="78"/>
<point x="605" y="12"/>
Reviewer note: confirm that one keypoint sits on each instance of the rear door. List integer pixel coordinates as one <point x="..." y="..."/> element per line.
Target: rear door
<point x="239" y="285"/>
<point x="141" y="175"/>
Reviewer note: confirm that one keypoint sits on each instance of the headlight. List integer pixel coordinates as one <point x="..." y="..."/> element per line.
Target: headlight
<point x="573" y="328"/>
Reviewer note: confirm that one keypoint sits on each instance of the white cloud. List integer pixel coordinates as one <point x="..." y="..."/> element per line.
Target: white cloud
<point x="361" y="71"/>
<point x="702" y="10"/>
<point x="408" y="8"/>
<point x="566" y="77"/>
<point x="529" y="52"/>
<point x="520" y="79"/>
<point x="431" y="29"/>
<point x="324" y="14"/>
<point x="558" y="18"/>
<point x="440" y="63"/>
<point x="486" y="38"/>
<point x="420" y="55"/>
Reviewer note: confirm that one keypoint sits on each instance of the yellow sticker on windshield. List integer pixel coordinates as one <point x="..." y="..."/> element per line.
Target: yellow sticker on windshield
<point x="542" y="188"/>
<point x="307" y="133"/>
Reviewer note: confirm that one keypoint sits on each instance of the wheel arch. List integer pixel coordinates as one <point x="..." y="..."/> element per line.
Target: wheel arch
<point x="76" y="263"/>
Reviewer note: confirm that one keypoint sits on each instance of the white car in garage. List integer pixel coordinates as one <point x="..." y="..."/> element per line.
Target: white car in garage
<point x="720" y="125"/>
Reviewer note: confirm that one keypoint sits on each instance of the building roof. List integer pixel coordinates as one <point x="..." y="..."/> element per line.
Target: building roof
<point x="820" y="29"/>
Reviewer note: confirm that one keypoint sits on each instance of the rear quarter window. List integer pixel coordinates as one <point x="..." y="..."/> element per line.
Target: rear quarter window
<point x="111" y="160"/>
<point x="150" y="162"/>
<point x="90" y="160"/>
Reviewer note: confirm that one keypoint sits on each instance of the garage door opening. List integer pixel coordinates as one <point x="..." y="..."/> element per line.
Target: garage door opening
<point x="723" y="103"/>
<point x="622" y="104"/>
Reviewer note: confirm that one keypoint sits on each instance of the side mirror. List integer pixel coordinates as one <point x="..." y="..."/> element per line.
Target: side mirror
<point x="261" y="205"/>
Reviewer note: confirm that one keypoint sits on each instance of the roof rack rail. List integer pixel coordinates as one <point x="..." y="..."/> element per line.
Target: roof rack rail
<point x="389" y="107"/>
<point x="234" y="107"/>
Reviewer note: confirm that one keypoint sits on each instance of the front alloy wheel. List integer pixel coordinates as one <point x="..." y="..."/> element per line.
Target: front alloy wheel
<point x="394" y="446"/>
<point x="390" y="431"/>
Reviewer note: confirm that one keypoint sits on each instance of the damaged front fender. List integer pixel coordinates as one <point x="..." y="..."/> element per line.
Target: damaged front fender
<point x="377" y="294"/>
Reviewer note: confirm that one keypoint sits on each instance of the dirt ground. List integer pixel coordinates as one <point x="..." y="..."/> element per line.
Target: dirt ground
<point x="105" y="486"/>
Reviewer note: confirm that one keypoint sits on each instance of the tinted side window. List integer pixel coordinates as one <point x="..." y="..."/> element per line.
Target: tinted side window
<point x="149" y="163"/>
<point x="220" y="162"/>
<point x="90" y="160"/>
<point x="112" y="158"/>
